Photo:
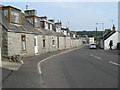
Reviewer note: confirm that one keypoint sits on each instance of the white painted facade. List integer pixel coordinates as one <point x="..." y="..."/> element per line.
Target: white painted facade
<point x="74" y="35"/>
<point x="115" y="37"/>
<point x="64" y="32"/>
<point x="91" y="40"/>
<point x="46" y="23"/>
<point x="58" y="29"/>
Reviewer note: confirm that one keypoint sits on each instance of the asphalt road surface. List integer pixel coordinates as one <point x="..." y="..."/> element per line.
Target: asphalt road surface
<point x="81" y="68"/>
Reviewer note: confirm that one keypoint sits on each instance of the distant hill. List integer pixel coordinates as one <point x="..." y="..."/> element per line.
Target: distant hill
<point x="90" y="33"/>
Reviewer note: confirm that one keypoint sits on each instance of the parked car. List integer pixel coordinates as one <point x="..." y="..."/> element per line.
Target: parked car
<point x="92" y="46"/>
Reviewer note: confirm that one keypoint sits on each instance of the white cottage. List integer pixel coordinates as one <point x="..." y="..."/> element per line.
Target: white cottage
<point x="112" y="35"/>
<point x="115" y="38"/>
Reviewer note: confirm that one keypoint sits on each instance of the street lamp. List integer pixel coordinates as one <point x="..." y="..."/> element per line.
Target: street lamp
<point x="96" y="33"/>
<point x="102" y="30"/>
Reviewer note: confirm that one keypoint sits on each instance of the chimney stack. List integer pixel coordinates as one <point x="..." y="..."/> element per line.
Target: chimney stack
<point x="26" y="7"/>
<point x="113" y="28"/>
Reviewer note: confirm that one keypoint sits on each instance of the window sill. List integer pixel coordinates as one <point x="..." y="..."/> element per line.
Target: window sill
<point x="43" y="47"/>
<point x="53" y="45"/>
<point x="24" y="51"/>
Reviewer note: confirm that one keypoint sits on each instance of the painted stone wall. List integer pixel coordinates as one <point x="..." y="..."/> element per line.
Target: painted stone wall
<point x="61" y="43"/>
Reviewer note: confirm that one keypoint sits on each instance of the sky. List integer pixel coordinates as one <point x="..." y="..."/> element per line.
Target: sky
<point x="78" y="16"/>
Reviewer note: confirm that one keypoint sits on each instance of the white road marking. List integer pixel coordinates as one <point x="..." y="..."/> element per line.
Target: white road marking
<point x="114" y="63"/>
<point x="95" y="56"/>
<point x="39" y="64"/>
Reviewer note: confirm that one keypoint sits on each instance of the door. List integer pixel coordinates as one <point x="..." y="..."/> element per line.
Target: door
<point x="36" y="45"/>
<point x="58" y="41"/>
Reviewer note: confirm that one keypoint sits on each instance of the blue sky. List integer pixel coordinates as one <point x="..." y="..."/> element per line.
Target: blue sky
<point x="80" y="15"/>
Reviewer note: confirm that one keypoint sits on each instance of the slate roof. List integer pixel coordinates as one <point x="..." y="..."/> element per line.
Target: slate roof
<point x="49" y="32"/>
<point x="26" y="26"/>
<point x="109" y="34"/>
<point x="11" y="27"/>
<point x="30" y="29"/>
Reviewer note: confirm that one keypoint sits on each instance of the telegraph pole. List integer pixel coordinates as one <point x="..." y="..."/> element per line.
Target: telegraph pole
<point x="103" y="31"/>
<point x="96" y="33"/>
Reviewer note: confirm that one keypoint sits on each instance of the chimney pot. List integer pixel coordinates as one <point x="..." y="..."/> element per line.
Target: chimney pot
<point x="26" y="7"/>
<point x="113" y="28"/>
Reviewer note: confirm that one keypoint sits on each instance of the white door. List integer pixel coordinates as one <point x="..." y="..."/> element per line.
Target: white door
<point x="36" y="45"/>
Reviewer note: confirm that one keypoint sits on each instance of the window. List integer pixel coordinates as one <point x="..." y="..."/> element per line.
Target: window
<point x="23" y="40"/>
<point x="15" y="17"/>
<point x="34" y="41"/>
<point x="6" y="13"/>
<point x="37" y="23"/>
<point x="32" y="12"/>
<point x="53" y="42"/>
<point x="43" y="42"/>
<point x="43" y="24"/>
<point x="51" y="27"/>
<point x="48" y="25"/>
<point x="30" y="20"/>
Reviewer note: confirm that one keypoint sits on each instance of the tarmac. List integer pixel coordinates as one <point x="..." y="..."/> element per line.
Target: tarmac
<point x="116" y="52"/>
<point x="8" y="67"/>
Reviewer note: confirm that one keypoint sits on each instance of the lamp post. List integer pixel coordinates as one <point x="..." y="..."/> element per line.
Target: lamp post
<point x="102" y="30"/>
<point x="103" y="33"/>
<point x="96" y="33"/>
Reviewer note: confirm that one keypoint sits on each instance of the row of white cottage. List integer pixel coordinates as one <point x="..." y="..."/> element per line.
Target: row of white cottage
<point x="26" y="34"/>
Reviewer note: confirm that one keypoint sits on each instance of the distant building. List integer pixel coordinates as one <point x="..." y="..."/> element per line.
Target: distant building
<point x="85" y="39"/>
<point x="73" y="34"/>
<point x="91" y="40"/>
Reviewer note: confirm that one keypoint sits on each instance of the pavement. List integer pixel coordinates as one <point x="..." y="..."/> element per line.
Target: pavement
<point x="27" y="74"/>
<point x="116" y="52"/>
<point x="11" y="65"/>
<point x="8" y="67"/>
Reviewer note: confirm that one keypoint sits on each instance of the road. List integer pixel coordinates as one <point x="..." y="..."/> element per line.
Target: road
<point x="81" y="68"/>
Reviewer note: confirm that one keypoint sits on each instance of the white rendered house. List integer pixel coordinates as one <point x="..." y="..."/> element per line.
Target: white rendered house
<point x="115" y="38"/>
